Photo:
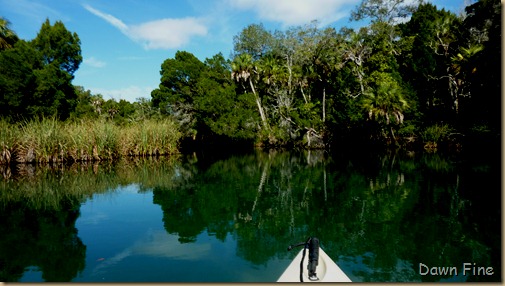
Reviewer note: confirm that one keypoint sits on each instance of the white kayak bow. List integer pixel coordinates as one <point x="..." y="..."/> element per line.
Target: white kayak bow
<point x="327" y="270"/>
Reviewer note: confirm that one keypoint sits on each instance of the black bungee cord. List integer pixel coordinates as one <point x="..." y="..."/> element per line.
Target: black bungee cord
<point x="313" y="244"/>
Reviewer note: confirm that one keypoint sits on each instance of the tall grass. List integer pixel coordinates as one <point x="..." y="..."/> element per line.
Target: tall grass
<point x="150" y="137"/>
<point x="40" y="140"/>
<point x="8" y="136"/>
<point x="49" y="140"/>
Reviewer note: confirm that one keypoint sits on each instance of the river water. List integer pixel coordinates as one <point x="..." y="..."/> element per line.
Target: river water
<point x="212" y="217"/>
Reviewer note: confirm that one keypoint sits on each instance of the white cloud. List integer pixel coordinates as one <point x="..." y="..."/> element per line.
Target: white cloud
<point x="168" y="33"/>
<point x="160" y="34"/>
<point x="131" y="93"/>
<point x="92" y="62"/>
<point x="109" y="18"/>
<point x="297" y="12"/>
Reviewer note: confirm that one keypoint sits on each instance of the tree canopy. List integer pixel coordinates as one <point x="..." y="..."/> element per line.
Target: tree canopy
<point x="36" y="76"/>
<point x="409" y="74"/>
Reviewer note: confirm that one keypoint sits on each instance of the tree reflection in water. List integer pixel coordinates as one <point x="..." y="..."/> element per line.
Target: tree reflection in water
<point x="377" y="215"/>
<point x="39" y="237"/>
<point x="388" y="213"/>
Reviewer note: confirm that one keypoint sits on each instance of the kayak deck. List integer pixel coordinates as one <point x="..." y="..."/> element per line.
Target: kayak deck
<point x="327" y="270"/>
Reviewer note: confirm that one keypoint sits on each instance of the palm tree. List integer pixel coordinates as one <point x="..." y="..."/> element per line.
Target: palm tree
<point x="244" y="70"/>
<point x="387" y="105"/>
<point x="271" y="71"/>
<point x="443" y="28"/>
<point x="462" y="66"/>
<point x="7" y="36"/>
<point x="464" y="61"/>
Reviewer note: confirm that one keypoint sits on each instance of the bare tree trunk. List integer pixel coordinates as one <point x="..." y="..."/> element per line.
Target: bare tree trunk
<point x="324" y="104"/>
<point x="392" y="133"/>
<point x="260" y="108"/>
<point x="303" y="93"/>
<point x="289" y="63"/>
<point x="360" y="76"/>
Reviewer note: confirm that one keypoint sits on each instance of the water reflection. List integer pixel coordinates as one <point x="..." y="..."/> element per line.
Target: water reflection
<point x="378" y="216"/>
<point x="391" y="216"/>
<point x="155" y="244"/>
<point x="45" y="239"/>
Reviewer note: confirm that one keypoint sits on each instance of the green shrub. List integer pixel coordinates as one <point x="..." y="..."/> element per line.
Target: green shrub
<point x="436" y="133"/>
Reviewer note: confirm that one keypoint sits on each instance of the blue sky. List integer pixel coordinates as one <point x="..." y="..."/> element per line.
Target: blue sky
<point x="124" y="42"/>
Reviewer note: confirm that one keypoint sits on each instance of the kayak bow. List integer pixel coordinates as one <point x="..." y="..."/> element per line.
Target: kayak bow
<point x="327" y="269"/>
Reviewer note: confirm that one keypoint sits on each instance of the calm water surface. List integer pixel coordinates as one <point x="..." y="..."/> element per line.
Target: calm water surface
<point x="216" y="218"/>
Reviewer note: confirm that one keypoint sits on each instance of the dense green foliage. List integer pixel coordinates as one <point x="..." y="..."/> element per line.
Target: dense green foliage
<point x="36" y="76"/>
<point x="390" y="82"/>
<point x="201" y="98"/>
<point x="410" y="69"/>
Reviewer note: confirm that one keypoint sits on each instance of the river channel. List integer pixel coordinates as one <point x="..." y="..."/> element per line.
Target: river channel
<point x="209" y="217"/>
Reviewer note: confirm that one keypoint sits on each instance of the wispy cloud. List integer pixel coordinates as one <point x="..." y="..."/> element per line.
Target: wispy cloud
<point x="297" y="12"/>
<point x="92" y="62"/>
<point x="159" y="34"/>
<point x="31" y="9"/>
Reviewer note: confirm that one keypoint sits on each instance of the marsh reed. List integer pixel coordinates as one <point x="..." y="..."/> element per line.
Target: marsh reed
<point x="51" y="141"/>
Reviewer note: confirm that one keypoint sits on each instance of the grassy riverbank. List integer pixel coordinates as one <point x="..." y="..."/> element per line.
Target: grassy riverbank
<point x="50" y="140"/>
